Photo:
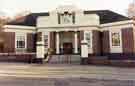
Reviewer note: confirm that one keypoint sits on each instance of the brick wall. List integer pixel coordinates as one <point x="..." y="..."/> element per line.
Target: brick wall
<point x="96" y="42"/>
<point x="31" y="42"/>
<point x="105" y="42"/>
<point x="127" y="40"/>
<point x="52" y="40"/>
<point x="12" y="57"/>
<point x="81" y="35"/>
<point x="9" y="41"/>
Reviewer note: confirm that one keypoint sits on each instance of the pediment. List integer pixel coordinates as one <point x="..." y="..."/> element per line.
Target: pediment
<point x="66" y="8"/>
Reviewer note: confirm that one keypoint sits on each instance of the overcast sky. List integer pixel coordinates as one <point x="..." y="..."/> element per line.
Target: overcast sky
<point x="12" y="7"/>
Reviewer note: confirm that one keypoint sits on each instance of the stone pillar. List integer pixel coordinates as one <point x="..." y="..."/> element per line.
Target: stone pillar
<point x="57" y="43"/>
<point x="75" y="42"/>
<point x="40" y="48"/>
<point x="84" y="52"/>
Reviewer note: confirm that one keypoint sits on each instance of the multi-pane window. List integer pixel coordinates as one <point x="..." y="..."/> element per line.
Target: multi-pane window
<point x="39" y="36"/>
<point x="20" y="41"/>
<point x="115" y="39"/>
<point x="46" y="41"/>
<point x="66" y="18"/>
<point x="88" y="38"/>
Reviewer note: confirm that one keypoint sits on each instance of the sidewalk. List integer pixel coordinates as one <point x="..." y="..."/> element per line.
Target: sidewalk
<point x="65" y="71"/>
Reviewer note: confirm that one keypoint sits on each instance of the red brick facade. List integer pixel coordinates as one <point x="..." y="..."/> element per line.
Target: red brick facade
<point x="12" y="57"/>
<point x="105" y="42"/>
<point x="31" y="42"/>
<point x="52" y="41"/>
<point x="9" y="41"/>
<point x="127" y="40"/>
<point x="81" y="35"/>
<point x="101" y="45"/>
<point x="100" y="41"/>
<point x="96" y="42"/>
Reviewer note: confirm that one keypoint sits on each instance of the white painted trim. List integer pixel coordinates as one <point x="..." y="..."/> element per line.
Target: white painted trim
<point x="69" y="26"/>
<point x="68" y="29"/>
<point x="20" y="34"/>
<point x="120" y="27"/>
<point x="43" y="35"/>
<point x="75" y="42"/>
<point x="49" y="40"/>
<point x="20" y="27"/>
<point x="117" y="23"/>
<point x="19" y="30"/>
<point x="115" y="49"/>
<point x="57" y="43"/>
<point x="102" y="27"/>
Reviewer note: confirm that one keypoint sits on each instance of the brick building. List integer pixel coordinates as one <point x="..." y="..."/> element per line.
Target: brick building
<point x="107" y="33"/>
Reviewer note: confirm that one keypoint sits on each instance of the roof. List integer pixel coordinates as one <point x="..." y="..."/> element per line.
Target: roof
<point x="106" y="16"/>
<point x="28" y="20"/>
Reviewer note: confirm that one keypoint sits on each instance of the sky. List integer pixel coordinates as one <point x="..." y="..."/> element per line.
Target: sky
<point x="11" y="7"/>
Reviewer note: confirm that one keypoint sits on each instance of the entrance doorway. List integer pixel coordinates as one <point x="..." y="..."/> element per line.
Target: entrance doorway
<point x="67" y="48"/>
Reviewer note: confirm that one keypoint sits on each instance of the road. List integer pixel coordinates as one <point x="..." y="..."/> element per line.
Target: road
<point x="6" y="81"/>
<point x="18" y="74"/>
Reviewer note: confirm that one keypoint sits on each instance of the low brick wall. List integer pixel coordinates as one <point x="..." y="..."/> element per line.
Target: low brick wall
<point x="17" y="57"/>
<point x="119" y="62"/>
<point x="98" y="60"/>
<point x="122" y="63"/>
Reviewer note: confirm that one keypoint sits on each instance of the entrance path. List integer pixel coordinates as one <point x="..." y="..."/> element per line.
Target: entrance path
<point x="65" y="71"/>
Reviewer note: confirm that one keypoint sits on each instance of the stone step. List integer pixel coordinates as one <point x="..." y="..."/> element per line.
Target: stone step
<point x="65" y="59"/>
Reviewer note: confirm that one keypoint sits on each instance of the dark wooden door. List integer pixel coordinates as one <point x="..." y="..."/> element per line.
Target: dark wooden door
<point x="67" y="48"/>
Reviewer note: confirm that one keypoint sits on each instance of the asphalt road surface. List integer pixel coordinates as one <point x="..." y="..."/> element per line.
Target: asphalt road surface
<point x="12" y="81"/>
<point x="17" y="74"/>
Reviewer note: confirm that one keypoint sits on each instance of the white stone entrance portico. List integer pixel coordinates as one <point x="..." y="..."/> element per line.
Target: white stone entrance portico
<point x="67" y="22"/>
<point x="65" y="39"/>
<point x="60" y="38"/>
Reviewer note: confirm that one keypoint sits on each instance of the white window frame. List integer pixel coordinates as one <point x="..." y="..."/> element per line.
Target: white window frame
<point x="115" y="49"/>
<point x="20" y="34"/>
<point x="90" y="49"/>
<point x="46" y="33"/>
<point x="46" y="38"/>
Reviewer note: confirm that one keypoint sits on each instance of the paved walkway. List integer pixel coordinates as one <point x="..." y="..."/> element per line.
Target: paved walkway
<point x="65" y="71"/>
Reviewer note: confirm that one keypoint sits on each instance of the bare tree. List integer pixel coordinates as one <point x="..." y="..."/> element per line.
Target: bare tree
<point x="131" y="10"/>
<point x="21" y="14"/>
<point x="2" y="23"/>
